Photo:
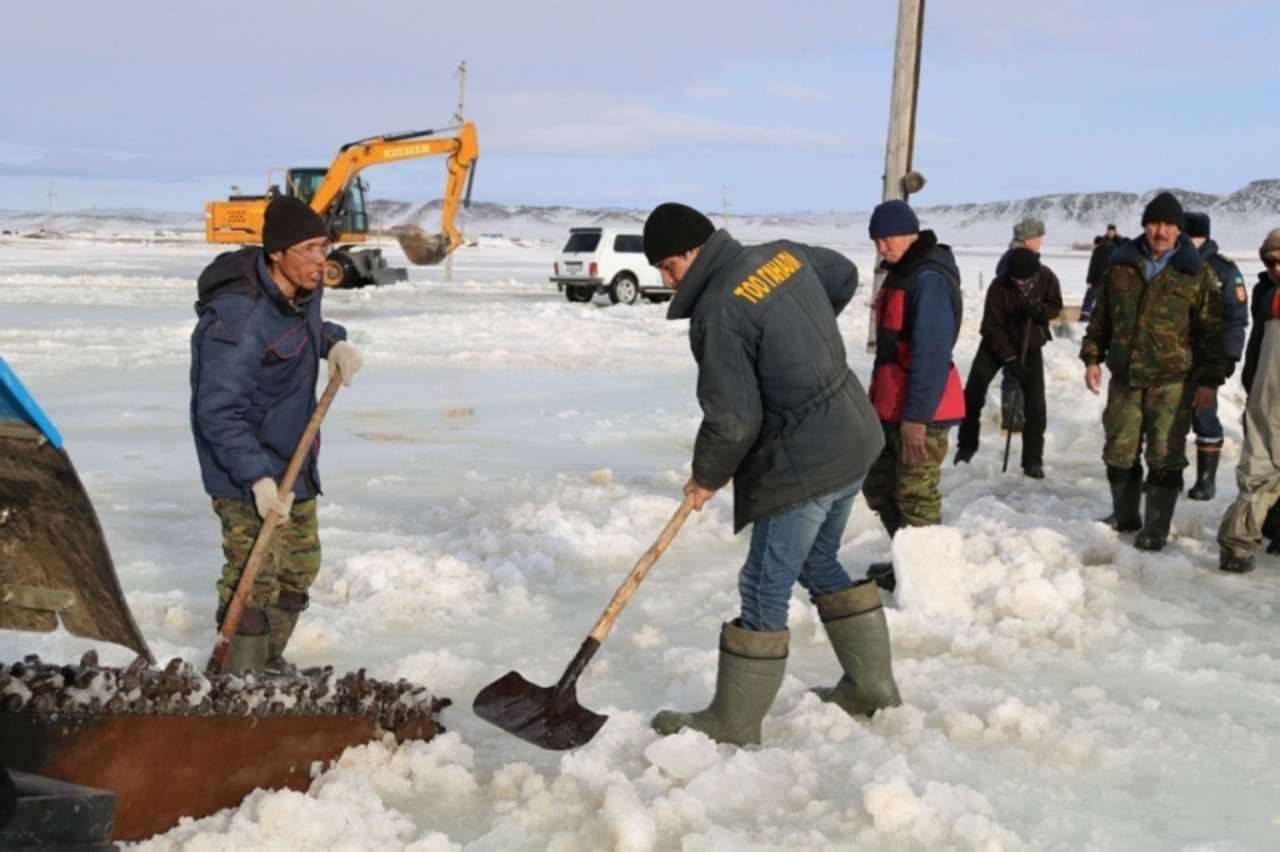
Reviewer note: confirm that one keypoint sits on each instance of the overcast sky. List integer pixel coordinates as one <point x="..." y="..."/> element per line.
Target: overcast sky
<point x="167" y="104"/>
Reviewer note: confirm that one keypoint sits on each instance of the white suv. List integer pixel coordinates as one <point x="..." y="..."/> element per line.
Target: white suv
<point x="607" y="261"/>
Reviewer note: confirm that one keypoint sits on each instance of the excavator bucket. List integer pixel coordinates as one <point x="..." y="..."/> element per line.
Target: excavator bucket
<point x="54" y="557"/>
<point x="421" y="248"/>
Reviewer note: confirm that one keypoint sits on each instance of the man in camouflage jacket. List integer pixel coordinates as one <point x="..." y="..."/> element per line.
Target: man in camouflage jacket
<point x="1158" y="326"/>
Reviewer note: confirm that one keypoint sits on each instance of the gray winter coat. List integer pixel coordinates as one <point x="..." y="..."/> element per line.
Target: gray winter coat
<point x="782" y="415"/>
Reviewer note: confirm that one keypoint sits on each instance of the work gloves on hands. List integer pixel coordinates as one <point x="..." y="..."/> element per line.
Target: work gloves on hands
<point x="345" y="360"/>
<point x="266" y="498"/>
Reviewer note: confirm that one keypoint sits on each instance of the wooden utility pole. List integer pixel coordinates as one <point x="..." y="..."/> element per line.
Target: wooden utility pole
<point x="899" y="179"/>
<point x="461" y="74"/>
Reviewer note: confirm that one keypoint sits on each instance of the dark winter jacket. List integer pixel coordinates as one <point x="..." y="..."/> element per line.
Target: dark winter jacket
<point x="1158" y="332"/>
<point x="1101" y="259"/>
<point x="1263" y="306"/>
<point x="1008" y="310"/>
<point x="918" y="313"/>
<point x="1235" y="302"/>
<point x="782" y="415"/>
<point x="254" y="363"/>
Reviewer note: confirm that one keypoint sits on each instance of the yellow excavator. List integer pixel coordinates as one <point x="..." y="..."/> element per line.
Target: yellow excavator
<point x="337" y="193"/>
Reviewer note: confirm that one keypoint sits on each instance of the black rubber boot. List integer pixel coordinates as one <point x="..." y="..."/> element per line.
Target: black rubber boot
<point x="752" y="664"/>
<point x="964" y="454"/>
<point x="1206" y="474"/>
<point x="1126" y="498"/>
<point x="1232" y="564"/>
<point x="855" y="624"/>
<point x="882" y="574"/>
<point x="1162" y="496"/>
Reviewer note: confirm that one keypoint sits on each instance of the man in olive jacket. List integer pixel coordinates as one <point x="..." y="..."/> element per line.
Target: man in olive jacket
<point x="1158" y="325"/>
<point x="787" y="421"/>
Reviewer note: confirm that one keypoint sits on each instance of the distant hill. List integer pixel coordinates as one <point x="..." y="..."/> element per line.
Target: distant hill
<point x="1240" y="218"/>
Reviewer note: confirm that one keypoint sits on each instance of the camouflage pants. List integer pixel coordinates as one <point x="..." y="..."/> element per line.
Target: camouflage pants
<point x="1157" y="417"/>
<point x="292" y="562"/>
<point x="902" y="494"/>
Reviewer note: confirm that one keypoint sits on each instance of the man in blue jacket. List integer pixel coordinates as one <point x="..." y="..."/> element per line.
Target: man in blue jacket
<point x="255" y="358"/>
<point x="1235" y="319"/>
<point x="915" y="386"/>
<point x="788" y="423"/>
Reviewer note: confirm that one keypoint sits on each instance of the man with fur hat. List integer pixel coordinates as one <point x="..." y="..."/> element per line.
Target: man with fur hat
<point x="255" y="356"/>
<point x="1235" y="319"/>
<point x="785" y="419"/>
<point x="1157" y="324"/>
<point x="915" y="386"/>
<point x="1258" y="471"/>
<point x="1015" y="327"/>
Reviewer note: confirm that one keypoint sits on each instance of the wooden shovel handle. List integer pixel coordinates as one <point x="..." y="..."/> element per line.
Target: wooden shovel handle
<point x="231" y="620"/>
<point x="605" y="623"/>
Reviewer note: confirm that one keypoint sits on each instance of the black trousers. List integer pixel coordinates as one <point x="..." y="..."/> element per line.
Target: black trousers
<point x="986" y="365"/>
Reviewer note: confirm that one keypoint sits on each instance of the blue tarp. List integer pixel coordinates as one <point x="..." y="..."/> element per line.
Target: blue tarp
<point x="16" y="404"/>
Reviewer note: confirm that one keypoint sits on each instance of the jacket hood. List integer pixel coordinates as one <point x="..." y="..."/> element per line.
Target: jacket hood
<point x="230" y="272"/>
<point x="244" y="272"/>
<point x="926" y="249"/>
<point x="1186" y="258"/>
<point x="716" y="252"/>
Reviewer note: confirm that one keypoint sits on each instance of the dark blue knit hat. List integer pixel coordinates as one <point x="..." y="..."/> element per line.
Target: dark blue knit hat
<point x="893" y="219"/>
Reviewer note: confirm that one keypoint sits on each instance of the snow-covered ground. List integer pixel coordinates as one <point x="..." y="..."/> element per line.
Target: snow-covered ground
<point x="495" y="471"/>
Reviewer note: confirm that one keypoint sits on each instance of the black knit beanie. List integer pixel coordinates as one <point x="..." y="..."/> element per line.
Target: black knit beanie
<point x="289" y="221"/>
<point x="673" y="229"/>
<point x="1164" y="208"/>
<point x="1023" y="263"/>
<point x="1197" y="225"/>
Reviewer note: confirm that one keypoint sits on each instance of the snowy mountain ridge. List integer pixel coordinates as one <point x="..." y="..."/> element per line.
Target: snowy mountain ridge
<point x="1239" y="218"/>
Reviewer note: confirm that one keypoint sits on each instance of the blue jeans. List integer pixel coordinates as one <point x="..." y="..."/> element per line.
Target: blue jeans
<point x="798" y="545"/>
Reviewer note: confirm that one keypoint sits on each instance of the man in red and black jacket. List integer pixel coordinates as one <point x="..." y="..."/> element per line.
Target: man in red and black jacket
<point x="915" y="386"/>
<point x="1020" y="304"/>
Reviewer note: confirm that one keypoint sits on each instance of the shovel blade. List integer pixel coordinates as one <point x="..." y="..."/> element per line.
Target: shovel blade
<point x="536" y="714"/>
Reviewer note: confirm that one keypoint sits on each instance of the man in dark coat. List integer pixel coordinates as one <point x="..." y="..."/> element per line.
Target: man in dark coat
<point x="785" y="419"/>
<point x="1235" y="319"/>
<point x="255" y="355"/>
<point x="1015" y="327"/>
<point x="1103" y="248"/>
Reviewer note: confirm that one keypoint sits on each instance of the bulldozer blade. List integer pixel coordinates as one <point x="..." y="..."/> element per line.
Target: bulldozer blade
<point x="548" y="717"/>
<point x="55" y="557"/>
<point x="423" y="249"/>
<point x="163" y="768"/>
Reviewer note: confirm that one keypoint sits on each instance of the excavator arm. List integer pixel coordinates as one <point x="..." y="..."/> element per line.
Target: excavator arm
<point x="354" y="157"/>
<point x="239" y="220"/>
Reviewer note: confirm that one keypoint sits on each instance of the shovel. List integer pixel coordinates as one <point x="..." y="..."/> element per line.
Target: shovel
<point x="551" y="717"/>
<point x="231" y="620"/>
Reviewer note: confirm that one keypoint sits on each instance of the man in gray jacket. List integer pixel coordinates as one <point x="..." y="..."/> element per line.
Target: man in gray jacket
<point x="791" y="426"/>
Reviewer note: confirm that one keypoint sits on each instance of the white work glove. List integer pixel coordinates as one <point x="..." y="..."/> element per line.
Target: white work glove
<point x="346" y="360"/>
<point x="266" y="498"/>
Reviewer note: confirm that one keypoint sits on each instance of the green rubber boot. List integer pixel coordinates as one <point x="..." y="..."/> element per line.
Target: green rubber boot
<point x="282" y="624"/>
<point x="855" y="624"/>
<point x="248" y="646"/>
<point x="751" y="667"/>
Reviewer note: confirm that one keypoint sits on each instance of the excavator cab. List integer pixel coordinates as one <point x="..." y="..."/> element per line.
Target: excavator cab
<point x="347" y="215"/>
